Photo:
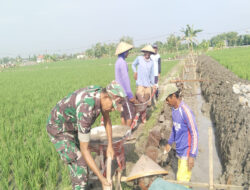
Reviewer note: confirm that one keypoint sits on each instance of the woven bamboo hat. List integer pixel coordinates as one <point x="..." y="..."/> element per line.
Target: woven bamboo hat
<point x="145" y="167"/>
<point x="148" y="48"/>
<point x="123" y="47"/>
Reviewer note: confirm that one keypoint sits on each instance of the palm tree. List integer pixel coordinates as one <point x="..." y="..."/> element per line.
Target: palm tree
<point x="189" y="36"/>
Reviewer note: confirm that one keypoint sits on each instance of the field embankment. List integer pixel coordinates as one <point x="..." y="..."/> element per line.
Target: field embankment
<point x="231" y="118"/>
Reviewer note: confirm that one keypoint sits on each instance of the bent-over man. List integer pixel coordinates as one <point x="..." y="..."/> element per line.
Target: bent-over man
<point x="69" y="126"/>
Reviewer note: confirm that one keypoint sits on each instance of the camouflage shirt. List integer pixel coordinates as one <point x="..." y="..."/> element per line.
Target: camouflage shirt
<point x="75" y="114"/>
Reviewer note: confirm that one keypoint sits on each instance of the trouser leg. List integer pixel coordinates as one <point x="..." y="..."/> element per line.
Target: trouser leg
<point x="71" y="155"/>
<point x="128" y="112"/>
<point x="157" y="90"/>
<point x="183" y="174"/>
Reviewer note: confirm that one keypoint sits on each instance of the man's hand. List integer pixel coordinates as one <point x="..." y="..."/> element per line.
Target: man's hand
<point x="159" y="75"/>
<point x="167" y="148"/>
<point x="135" y="76"/>
<point x="134" y="101"/>
<point x="155" y="87"/>
<point x="110" y="152"/>
<point x="91" y="163"/>
<point x="105" y="183"/>
<point x="190" y="163"/>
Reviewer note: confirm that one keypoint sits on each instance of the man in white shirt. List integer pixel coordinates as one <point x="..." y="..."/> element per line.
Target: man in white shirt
<point x="157" y="67"/>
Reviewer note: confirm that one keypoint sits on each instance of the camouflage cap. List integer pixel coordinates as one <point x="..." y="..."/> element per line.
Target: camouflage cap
<point x="114" y="90"/>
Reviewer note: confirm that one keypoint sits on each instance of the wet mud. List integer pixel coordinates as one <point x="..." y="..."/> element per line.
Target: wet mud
<point x="231" y="120"/>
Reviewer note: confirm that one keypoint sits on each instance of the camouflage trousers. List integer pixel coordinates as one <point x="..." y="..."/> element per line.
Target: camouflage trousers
<point x="70" y="153"/>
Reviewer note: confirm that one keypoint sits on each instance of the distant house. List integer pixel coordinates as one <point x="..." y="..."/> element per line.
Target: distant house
<point x="80" y="56"/>
<point x="40" y="59"/>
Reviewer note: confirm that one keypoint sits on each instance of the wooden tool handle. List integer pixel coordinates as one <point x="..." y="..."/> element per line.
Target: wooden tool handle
<point x="108" y="174"/>
<point x="109" y="164"/>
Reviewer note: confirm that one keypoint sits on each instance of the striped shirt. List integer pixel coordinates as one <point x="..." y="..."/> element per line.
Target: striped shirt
<point x="184" y="131"/>
<point x="145" y="71"/>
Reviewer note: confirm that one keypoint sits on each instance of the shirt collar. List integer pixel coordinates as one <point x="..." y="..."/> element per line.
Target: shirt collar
<point x="147" y="60"/>
<point x="178" y="106"/>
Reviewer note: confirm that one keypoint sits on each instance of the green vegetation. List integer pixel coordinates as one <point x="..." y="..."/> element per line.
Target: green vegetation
<point x="235" y="59"/>
<point x="230" y="39"/>
<point x="28" y="159"/>
<point x="190" y="35"/>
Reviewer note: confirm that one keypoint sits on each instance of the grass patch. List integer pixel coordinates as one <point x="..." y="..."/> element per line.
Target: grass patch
<point x="235" y="59"/>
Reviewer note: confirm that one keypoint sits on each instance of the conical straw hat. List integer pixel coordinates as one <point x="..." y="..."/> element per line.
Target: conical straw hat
<point x="122" y="47"/>
<point x="145" y="167"/>
<point x="148" y="48"/>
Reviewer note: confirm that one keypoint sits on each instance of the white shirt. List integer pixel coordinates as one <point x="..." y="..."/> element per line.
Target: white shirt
<point x="155" y="58"/>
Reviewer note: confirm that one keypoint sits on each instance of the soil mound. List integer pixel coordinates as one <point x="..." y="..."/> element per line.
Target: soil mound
<point x="231" y="119"/>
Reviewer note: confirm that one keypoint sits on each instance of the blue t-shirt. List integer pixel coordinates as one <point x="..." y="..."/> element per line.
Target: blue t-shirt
<point x="184" y="132"/>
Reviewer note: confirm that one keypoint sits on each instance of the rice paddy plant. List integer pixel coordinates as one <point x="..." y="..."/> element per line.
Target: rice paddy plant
<point x="235" y="59"/>
<point x="27" y="95"/>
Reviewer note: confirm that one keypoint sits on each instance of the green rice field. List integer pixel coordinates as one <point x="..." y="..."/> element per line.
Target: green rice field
<point x="27" y="95"/>
<point x="235" y="59"/>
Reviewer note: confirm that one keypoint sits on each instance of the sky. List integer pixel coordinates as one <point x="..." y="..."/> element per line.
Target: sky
<point x="29" y="27"/>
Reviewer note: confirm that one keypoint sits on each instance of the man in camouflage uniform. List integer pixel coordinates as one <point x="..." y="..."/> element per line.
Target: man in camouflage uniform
<point x="69" y="126"/>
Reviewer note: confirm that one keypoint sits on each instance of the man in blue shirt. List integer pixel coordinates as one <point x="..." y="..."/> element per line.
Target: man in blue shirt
<point x="143" y="68"/>
<point x="184" y="133"/>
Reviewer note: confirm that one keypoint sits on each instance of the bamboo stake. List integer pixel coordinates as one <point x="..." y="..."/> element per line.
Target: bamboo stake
<point x="196" y="184"/>
<point x="193" y="184"/>
<point x="211" y="170"/>
<point x="191" y="80"/>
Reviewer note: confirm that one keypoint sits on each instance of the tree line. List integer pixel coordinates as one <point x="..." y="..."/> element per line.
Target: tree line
<point x="175" y="43"/>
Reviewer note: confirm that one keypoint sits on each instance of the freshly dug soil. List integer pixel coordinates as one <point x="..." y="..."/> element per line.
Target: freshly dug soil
<point x="231" y="120"/>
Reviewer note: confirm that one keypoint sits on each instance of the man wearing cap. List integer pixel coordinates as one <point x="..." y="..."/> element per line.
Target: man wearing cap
<point x="122" y="77"/>
<point x="184" y="133"/>
<point x="157" y="67"/>
<point x="69" y="126"/>
<point x="143" y="68"/>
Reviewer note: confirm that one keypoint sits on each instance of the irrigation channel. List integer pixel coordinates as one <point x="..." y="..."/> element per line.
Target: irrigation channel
<point x="193" y="98"/>
<point x="150" y="141"/>
<point x="202" y="161"/>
